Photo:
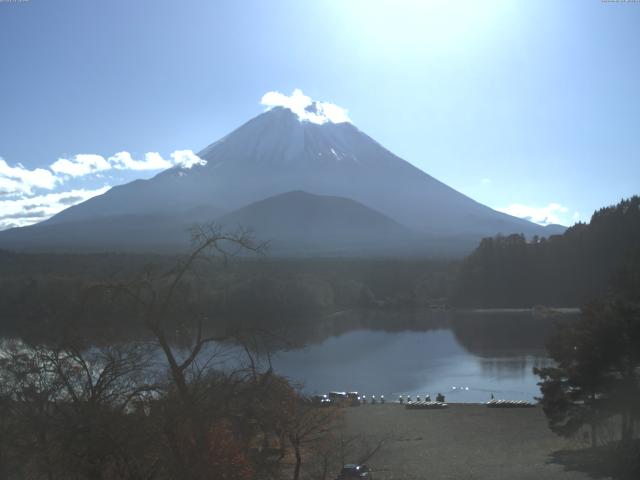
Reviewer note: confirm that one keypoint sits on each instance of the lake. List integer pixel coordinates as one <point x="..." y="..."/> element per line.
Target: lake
<point x="467" y="356"/>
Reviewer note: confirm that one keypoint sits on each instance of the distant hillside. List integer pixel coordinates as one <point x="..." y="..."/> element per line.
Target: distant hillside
<point x="564" y="270"/>
<point x="299" y="222"/>
<point x="293" y="224"/>
<point x="270" y="155"/>
<point x="140" y="233"/>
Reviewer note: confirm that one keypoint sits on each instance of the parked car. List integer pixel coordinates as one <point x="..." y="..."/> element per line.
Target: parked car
<point x="354" y="398"/>
<point x="339" y="398"/>
<point x="321" y="400"/>
<point x="355" y="471"/>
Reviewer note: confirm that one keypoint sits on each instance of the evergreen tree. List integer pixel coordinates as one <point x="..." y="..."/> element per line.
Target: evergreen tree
<point x="563" y="270"/>
<point x="597" y="375"/>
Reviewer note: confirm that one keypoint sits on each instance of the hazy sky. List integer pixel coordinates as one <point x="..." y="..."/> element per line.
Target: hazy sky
<point x="530" y="106"/>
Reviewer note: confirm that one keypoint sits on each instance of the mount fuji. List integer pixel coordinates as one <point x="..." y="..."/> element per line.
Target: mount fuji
<point x="308" y="187"/>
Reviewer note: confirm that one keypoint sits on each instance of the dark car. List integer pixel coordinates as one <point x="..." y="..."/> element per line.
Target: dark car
<point x="354" y="398"/>
<point x="338" y="395"/>
<point x="355" y="471"/>
<point x="321" y="400"/>
<point x="339" y="398"/>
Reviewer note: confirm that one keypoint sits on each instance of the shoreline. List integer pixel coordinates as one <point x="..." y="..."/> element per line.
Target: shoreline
<point x="464" y="441"/>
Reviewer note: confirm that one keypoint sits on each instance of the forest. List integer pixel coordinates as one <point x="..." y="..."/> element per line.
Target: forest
<point x="41" y="292"/>
<point x="79" y="403"/>
<point x="563" y="270"/>
<point x="163" y="406"/>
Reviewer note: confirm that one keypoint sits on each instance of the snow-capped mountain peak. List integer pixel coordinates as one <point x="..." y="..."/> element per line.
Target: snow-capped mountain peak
<point x="301" y="145"/>
<point x="305" y="108"/>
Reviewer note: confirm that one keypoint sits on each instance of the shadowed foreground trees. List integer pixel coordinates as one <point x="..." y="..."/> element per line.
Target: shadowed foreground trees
<point x="155" y="298"/>
<point x="596" y="382"/>
<point x="70" y="414"/>
<point x="563" y="270"/>
<point x="38" y="292"/>
<point x="106" y="414"/>
<point x="598" y="371"/>
<point x="165" y="408"/>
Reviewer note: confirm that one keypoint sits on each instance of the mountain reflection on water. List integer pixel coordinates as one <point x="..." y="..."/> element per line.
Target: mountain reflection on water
<point x="465" y="355"/>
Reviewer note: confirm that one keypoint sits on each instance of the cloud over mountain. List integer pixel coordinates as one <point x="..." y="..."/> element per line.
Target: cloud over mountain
<point x="305" y="108"/>
<point x="19" y="212"/>
<point x="553" y="213"/>
<point x="80" y="165"/>
<point x="22" y="180"/>
<point x="23" y="200"/>
<point x="152" y="161"/>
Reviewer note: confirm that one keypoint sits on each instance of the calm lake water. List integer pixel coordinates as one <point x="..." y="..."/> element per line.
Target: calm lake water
<point x="464" y="355"/>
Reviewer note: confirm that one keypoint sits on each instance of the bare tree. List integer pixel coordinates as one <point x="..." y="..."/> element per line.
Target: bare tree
<point x="109" y="413"/>
<point x="336" y="448"/>
<point x="308" y="425"/>
<point x="71" y="412"/>
<point x="155" y="296"/>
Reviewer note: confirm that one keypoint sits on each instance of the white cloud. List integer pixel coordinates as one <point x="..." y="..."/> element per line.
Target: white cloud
<point x="21" y="180"/>
<point x="306" y="108"/>
<point x="18" y="180"/>
<point x="152" y="161"/>
<point x="186" y="158"/>
<point x="552" y="213"/>
<point x="20" y="205"/>
<point x="8" y="186"/>
<point x="81" y="165"/>
<point x="20" y="212"/>
<point x="485" y="181"/>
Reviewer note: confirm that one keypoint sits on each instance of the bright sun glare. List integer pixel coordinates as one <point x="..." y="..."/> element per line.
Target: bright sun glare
<point x="438" y="26"/>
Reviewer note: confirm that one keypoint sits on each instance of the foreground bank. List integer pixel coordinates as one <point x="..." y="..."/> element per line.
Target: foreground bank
<point x="464" y="441"/>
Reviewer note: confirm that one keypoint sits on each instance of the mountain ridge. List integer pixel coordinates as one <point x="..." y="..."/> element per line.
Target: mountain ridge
<point x="275" y="153"/>
<point x="296" y="222"/>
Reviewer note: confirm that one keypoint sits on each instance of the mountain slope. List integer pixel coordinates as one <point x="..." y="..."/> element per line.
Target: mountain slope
<point x="305" y="223"/>
<point x="139" y="232"/>
<point x="275" y="153"/>
<point x="293" y="223"/>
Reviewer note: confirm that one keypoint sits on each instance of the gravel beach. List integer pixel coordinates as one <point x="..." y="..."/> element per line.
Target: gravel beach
<point x="464" y="441"/>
